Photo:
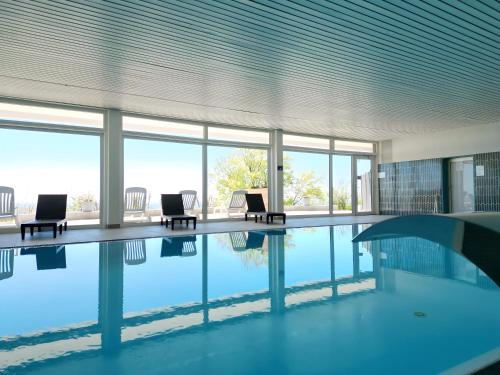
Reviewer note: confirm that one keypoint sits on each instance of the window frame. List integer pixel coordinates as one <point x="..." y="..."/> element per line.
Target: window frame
<point x="64" y="129"/>
<point x="205" y="142"/>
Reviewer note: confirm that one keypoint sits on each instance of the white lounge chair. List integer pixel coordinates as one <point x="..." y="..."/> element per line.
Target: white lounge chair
<point x="237" y="203"/>
<point x="7" y="203"/>
<point x="189" y="199"/>
<point x="135" y="202"/>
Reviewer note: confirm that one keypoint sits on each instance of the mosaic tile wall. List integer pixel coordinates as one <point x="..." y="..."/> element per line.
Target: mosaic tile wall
<point x="411" y="187"/>
<point x="487" y="187"/>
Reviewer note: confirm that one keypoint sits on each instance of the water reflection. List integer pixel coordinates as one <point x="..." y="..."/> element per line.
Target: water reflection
<point x="135" y="252"/>
<point x="6" y="263"/>
<point x="301" y="269"/>
<point x="47" y="257"/>
<point x="178" y="246"/>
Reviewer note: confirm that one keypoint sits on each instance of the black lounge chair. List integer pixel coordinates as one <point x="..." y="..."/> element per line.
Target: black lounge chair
<point x="47" y="257"/>
<point x="50" y="212"/>
<point x="256" y="207"/>
<point x="178" y="246"/>
<point x="172" y="207"/>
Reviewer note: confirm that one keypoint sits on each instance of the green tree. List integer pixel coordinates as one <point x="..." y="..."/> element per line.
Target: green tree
<point x="307" y="184"/>
<point x="341" y="198"/>
<point x="247" y="169"/>
<point x="244" y="169"/>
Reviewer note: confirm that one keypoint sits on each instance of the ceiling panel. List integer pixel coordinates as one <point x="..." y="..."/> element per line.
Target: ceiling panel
<point x="367" y="69"/>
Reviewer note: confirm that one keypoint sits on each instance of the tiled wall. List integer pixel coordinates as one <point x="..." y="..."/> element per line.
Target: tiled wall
<point x="411" y="187"/>
<point x="418" y="187"/>
<point x="487" y="187"/>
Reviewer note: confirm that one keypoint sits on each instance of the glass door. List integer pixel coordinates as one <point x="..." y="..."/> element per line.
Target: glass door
<point x="362" y="187"/>
<point x="342" y="184"/>
<point x="462" y="184"/>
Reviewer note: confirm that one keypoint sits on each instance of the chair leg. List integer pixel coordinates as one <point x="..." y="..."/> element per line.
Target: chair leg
<point x="60" y="228"/>
<point x="65" y="226"/>
<point x="194" y="223"/>
<point x="31" y="230"/>
<point x="267" y="219"/>
<point x="256" y="216"/>
<point x="246" y="217"/>
<point x="54" y="230"/>
<point x="23" y="232"/>
<point x="161" y="220"/>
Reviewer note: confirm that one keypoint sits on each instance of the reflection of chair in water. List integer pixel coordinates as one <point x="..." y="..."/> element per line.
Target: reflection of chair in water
<point x="135" y="252"/>
<point x="255" y="240"/>
<point x="237" y="203"/>
<point x="178" y="246"/>
<point x="238" y="241"/>
<point x="47" y="257"/>
<point x="135" y="201"/>
<point x="7" y="205"/>
<point x="6" y="263"/>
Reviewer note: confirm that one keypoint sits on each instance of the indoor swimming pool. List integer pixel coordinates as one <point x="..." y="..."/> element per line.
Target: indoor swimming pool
<point x="296" y="301"/>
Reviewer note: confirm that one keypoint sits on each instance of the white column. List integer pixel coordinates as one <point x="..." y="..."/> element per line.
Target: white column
<point x="276" y="171"/>
<point x="204" y="178"/>
<point x="113" y="169"/>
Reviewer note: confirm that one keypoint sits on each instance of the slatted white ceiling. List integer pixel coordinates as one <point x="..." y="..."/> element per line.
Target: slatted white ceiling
<point x="368" y="69"/>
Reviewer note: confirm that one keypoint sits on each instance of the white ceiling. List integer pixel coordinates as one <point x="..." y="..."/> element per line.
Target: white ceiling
<point x="367" y="69"/>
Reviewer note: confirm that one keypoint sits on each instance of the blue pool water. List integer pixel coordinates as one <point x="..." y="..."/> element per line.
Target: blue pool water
<point x="306" y="300"/>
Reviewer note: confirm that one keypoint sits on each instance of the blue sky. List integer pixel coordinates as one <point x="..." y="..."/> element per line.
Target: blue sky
<point x="37" y="162"/>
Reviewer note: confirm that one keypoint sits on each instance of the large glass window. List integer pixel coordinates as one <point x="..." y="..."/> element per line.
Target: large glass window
<point x="232" y="171"/>
<point x="305" y="183"/>
<point x="307" y="142"/>
<point x="153" y="168"/>
<point x="37" y="162"/>
<point x="341" y="184"/>
<point x="50" y="115"/>
<point x="173" y="128"/>
<point x="238" y="135"/>
<point x="353" y="146"/>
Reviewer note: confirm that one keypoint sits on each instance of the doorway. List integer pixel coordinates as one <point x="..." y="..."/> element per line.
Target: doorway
<point x="461" y="184"/>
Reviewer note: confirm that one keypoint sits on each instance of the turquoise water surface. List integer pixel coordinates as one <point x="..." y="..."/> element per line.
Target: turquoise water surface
<point x="304" y="300"/>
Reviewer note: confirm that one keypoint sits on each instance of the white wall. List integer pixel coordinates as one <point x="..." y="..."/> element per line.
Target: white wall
<point x="456" y="142"/>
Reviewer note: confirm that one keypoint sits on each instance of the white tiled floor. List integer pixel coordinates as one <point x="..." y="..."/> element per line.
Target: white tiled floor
<point x="155" y="230"/>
